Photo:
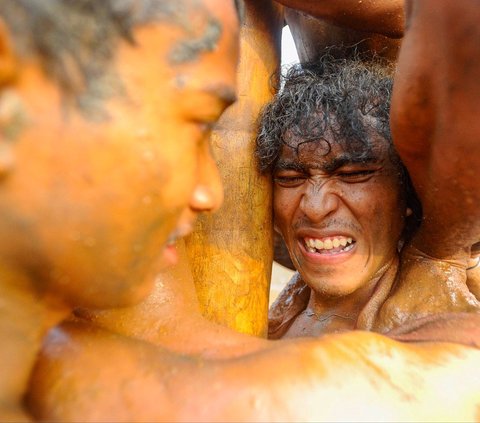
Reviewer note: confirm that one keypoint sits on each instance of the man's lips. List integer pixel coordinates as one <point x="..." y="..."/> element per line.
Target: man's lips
<point x="170" y="253"/>
<point x="180" y="232"/>
<point x="327" y="247"/>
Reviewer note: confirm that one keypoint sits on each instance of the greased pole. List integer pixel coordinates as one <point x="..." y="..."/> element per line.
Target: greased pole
<point x="231" y="250"/>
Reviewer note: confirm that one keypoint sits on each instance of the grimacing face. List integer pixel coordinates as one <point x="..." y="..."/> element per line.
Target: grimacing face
<point x="91" y="206"/>
<point x="341" y="216"/>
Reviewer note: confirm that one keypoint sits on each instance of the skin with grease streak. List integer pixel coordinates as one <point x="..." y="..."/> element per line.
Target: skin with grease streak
<point x="91" y="373"/>
<point x="435" y="132"/>
<point x="89" y="204"/>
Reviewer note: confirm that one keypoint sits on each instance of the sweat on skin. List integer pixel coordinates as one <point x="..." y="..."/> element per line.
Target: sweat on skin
<point x="340" y="197"/>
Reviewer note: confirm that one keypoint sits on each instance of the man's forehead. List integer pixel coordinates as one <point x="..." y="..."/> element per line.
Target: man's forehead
<point x="201" y="38"/>
<point x="323" y="150"/>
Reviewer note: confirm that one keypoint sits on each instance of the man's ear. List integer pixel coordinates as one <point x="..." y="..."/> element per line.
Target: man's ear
<point x="8" y="59"/>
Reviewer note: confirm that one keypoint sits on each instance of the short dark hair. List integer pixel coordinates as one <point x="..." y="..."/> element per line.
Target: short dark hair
<point x="76" y="40"/>
<point x="335" y="96"/>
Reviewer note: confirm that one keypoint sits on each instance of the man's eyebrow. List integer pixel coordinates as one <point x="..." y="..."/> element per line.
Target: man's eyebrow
<point x="289" y="165"/>
<point x="348" y="159"/>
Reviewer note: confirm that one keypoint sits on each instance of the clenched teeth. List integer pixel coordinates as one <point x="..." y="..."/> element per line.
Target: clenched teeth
<point x="313" y="245"/>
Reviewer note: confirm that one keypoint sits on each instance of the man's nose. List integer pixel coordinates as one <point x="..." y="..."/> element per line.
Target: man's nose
<point x="207" y="195"/>
<point x="319" y="200"/>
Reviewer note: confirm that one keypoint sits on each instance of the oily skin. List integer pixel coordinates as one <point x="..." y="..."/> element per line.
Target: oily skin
<point x="377" y="16"/>
<point x="87" y="207"/>
<point x="433" y="118"/>
<point x="435" y="130"/>
<point x="127" y="184"/>
<point x="317" y="379"/>
<point x="366" y="368"/>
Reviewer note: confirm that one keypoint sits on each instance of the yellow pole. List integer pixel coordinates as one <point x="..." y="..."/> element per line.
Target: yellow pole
<point x="231" y="251"/>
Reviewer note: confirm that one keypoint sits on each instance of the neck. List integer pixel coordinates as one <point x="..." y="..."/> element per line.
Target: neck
<point x="26" y="315"/>
<point x="334" y="314"/>
<point x="170" y="318"/>
<point x="172" y="299"/>
<point x="358" y="309"/>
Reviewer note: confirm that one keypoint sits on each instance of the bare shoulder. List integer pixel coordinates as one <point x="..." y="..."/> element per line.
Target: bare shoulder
<point x="407" y="381"/>
<point x="85" y="372"/>
<point x="334" y="377"/>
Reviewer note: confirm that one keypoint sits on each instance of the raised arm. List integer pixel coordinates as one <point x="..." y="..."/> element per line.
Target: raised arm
<point x="436" y="130"/>
<point x="344" y="377"/>
<point x="435" y="124"/>
<point x="384" y="17"/>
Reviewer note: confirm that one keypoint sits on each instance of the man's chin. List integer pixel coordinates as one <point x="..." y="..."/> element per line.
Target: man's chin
<point x="332" y="287"/>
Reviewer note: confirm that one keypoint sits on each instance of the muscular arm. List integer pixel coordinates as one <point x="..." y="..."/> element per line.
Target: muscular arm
<point x="436" y="130"/>
<point x="435" y="124"/>
<point x="98" y="378"/>
<point x="384" y="17"/>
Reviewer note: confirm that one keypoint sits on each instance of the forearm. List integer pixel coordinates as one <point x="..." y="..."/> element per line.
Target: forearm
<point x="435" y="122"/>
<point x="383" y="17"/>
<point x="105" y="378"/>
<point x="333" y="378"/>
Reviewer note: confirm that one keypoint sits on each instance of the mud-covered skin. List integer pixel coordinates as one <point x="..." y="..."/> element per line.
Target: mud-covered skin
<point x="340" y="199"/>
<point x="99" y="375"/>
<point x="325" y="203"/>
<point x="397" y="306"/>
<point x="432" y="276"/>
<point x="435" y="130"/>
<point x="425" y="286"/>
<point x="314" y="36"/>
<point x="160" y="361"/>
<point x="88" y="206"/>
<point x="330" y="380"/>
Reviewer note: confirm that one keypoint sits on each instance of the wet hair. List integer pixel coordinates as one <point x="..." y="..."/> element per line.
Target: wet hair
<point x="76" y="40"/>
<point x="334" y="96"/>
<point x="344" y="100"/>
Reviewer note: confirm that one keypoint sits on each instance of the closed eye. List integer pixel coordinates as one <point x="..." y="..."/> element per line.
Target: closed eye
<point x="357" y="175"/>
<point x="289" y="181"/>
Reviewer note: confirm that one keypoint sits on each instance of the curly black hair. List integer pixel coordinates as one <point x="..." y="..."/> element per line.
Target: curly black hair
<point x="334" y="95"/>
<point x="342" y="99"/>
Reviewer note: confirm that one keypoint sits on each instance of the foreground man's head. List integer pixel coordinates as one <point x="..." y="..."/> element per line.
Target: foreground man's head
<point x="106" y="111"/>
<point x="340" y="191"/>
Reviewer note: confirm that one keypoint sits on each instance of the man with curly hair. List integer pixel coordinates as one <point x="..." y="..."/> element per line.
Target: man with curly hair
<point x="343" y="201"/>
